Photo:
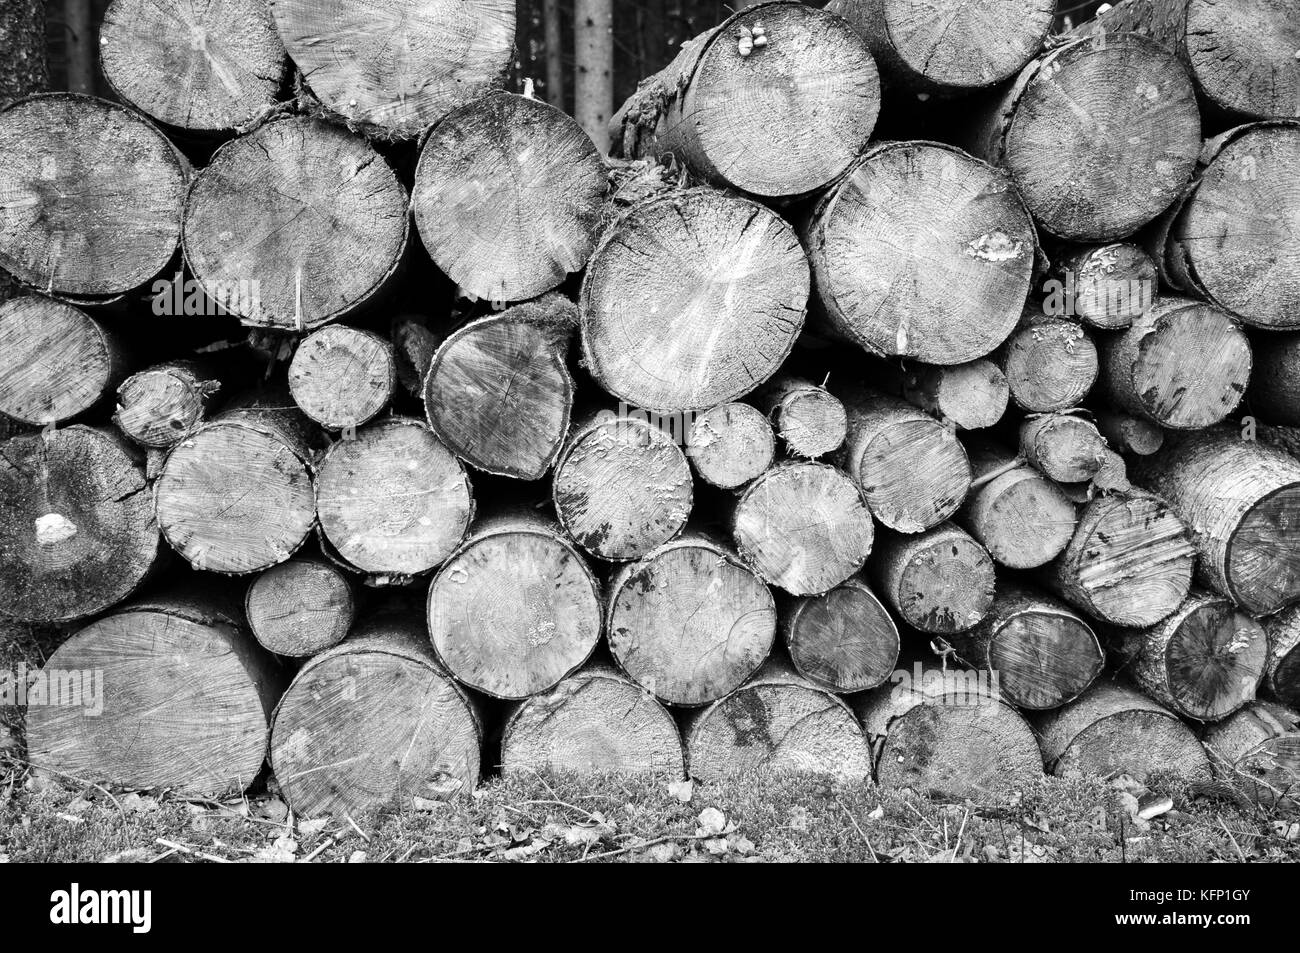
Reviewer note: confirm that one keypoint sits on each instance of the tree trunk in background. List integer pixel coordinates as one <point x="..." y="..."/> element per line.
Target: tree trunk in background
<point x="26" y="70"/>
<point x="80" y="33"/>
<point x="553" y="22"/>
<point x="593" y="86"/>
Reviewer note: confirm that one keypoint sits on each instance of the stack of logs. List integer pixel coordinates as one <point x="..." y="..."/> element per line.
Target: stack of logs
<point x="364" y="422"/>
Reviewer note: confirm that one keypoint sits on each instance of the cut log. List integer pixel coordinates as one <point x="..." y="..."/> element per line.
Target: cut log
<point x="1203" y="662"/>
<point x="709" y="285"/>
<point x="777" y="723"/>
<point x="1065" y="447"/>
<point x="910" y="223"/>
<point x="374" y="722"/>
<point x="300" y="607"/>
<point x="844" y="640"/>
<point x="343" y="377"/>
<point x="947" y="47"/>
<point x="56" y="361"/>
<point x="394" y="70"/>
<point x="911" y="469"/>
<point x="236" y="495"/>
<point x="810" y="91"/>
<point x="1240" y="52"/>
<point x="515" y="609"/>
<point x="1259" y="748"/>
<point x="77" y="527"/>
<point x="730" y="445"/>
<point x="1111" y="730"/>
<point x="1050" y="363"/>
<point x="1274" y="392"/>
<point x="162" y="694"/>
<point x="690" y="623"/>
<point x="1129" y="562"/>
<point x="940" y="581"/>
<point x="1241" y="500"/>
<point x="197" y="68"/>
<point x="1105" y="286"/>
<point x="159" y="406"/>
<point x="622" y="486"/>
<point x="507" y="197"/>
<point x="803" y="526"/>
<point x="294" y="225"/>
<point x="1282" y="676"/>
<point x="93" y="196"/>
<point x="1230" y="242"/>
<point x="1038" y="653"/>
<point x="393" y="501"/>
<point x="1022" y="518"/>
<point x="809" y="419"/>
<point x="945" y="733"/>
<point x="1128" y="434"/>
<point x="967" y="396"/>
<point x="594" y="722"/>
<point x="1054" y="130"/>
<point x="498" y="390"/>
<point x="1183" y="365"/>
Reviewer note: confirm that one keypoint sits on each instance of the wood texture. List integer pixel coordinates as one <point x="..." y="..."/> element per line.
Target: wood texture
<point x="1065" y="446"/>
<point x="968" y="396"/>
<point x="1129" y="434"/>
<point x="940" y="581"/>
<point x="161" y="405"/>
<point x="843" y="640"/>
<point x="730" y="444"/>
<point x="342" y="377"/>
<point x="300" y="607"/>
<point x="1259" y="748"/>
<point x="1106" y="286"/>
<point x="1050" y="363"/>
<point x="1282" y="676"/>
<point x="808" y="418"/>
<point x="1021" y="517"/>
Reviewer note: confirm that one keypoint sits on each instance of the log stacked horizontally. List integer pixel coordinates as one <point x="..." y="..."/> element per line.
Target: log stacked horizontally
<point x="401" y="436"/>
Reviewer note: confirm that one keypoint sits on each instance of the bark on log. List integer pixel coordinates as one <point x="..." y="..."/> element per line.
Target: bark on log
<point x="893" y="238"/>
<point x="730" y="445"/>
<point x="843" y="640"/>
<point x="515" y="609"/>
<point x="1050" y="363"/>
<point x="593" y="722"/>
<point x="300" y="607"/>
<point x="1282" y="676"/>
<point x="1111" y="729"/>
<point x="911" y="469"/>
<point x="201" y="69"/>
<point x="777" y="723"/>
<point x="1274" y="392"/>
<point x="939" y="582"/>
<point x="343" y="377"/>
<point x="1065" y="447"/>
<point x="393" y="502"/>
<point x="689" y="623"/>
<point x="161" y="405"/>
<point x="1259" y="748"/>
<point x="174" y="694"/>
<point x="803" y="527"/>
<point x="236" y="495"/>
<point x="1183" y="365"/>
<point x="1203" y="662"/>
<point x="1022" y="518"/>
<point x="374" y="722"/>
<point x="947" y="734"/>
<point x="294" y="225"/>
<point x="1105" y="286"/>
<point x="1128" y="563"/>
<point x="1082" y="184"/>
<point x="93" y="196"/>
<point x="1041" y="653"/>
<point x="1241" y="53"/>
<point x="498" y="391"/>
<point x="712" y="286"/>
<point x="716" y="107"/>
<point x="1127" y="434"/>
<point x="394" y="70"/>
<point x="1229" y="240"/>
<point x="56" y="361"/>
<point x="507" y="197"/>
<point x="622" y="487"/>
<point x="968" y="396"/>
<point x="1241" y="500"/>
<point x="809" y="419"/>
<point x="77" y="527"/>
<point x="946" y="47"/>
